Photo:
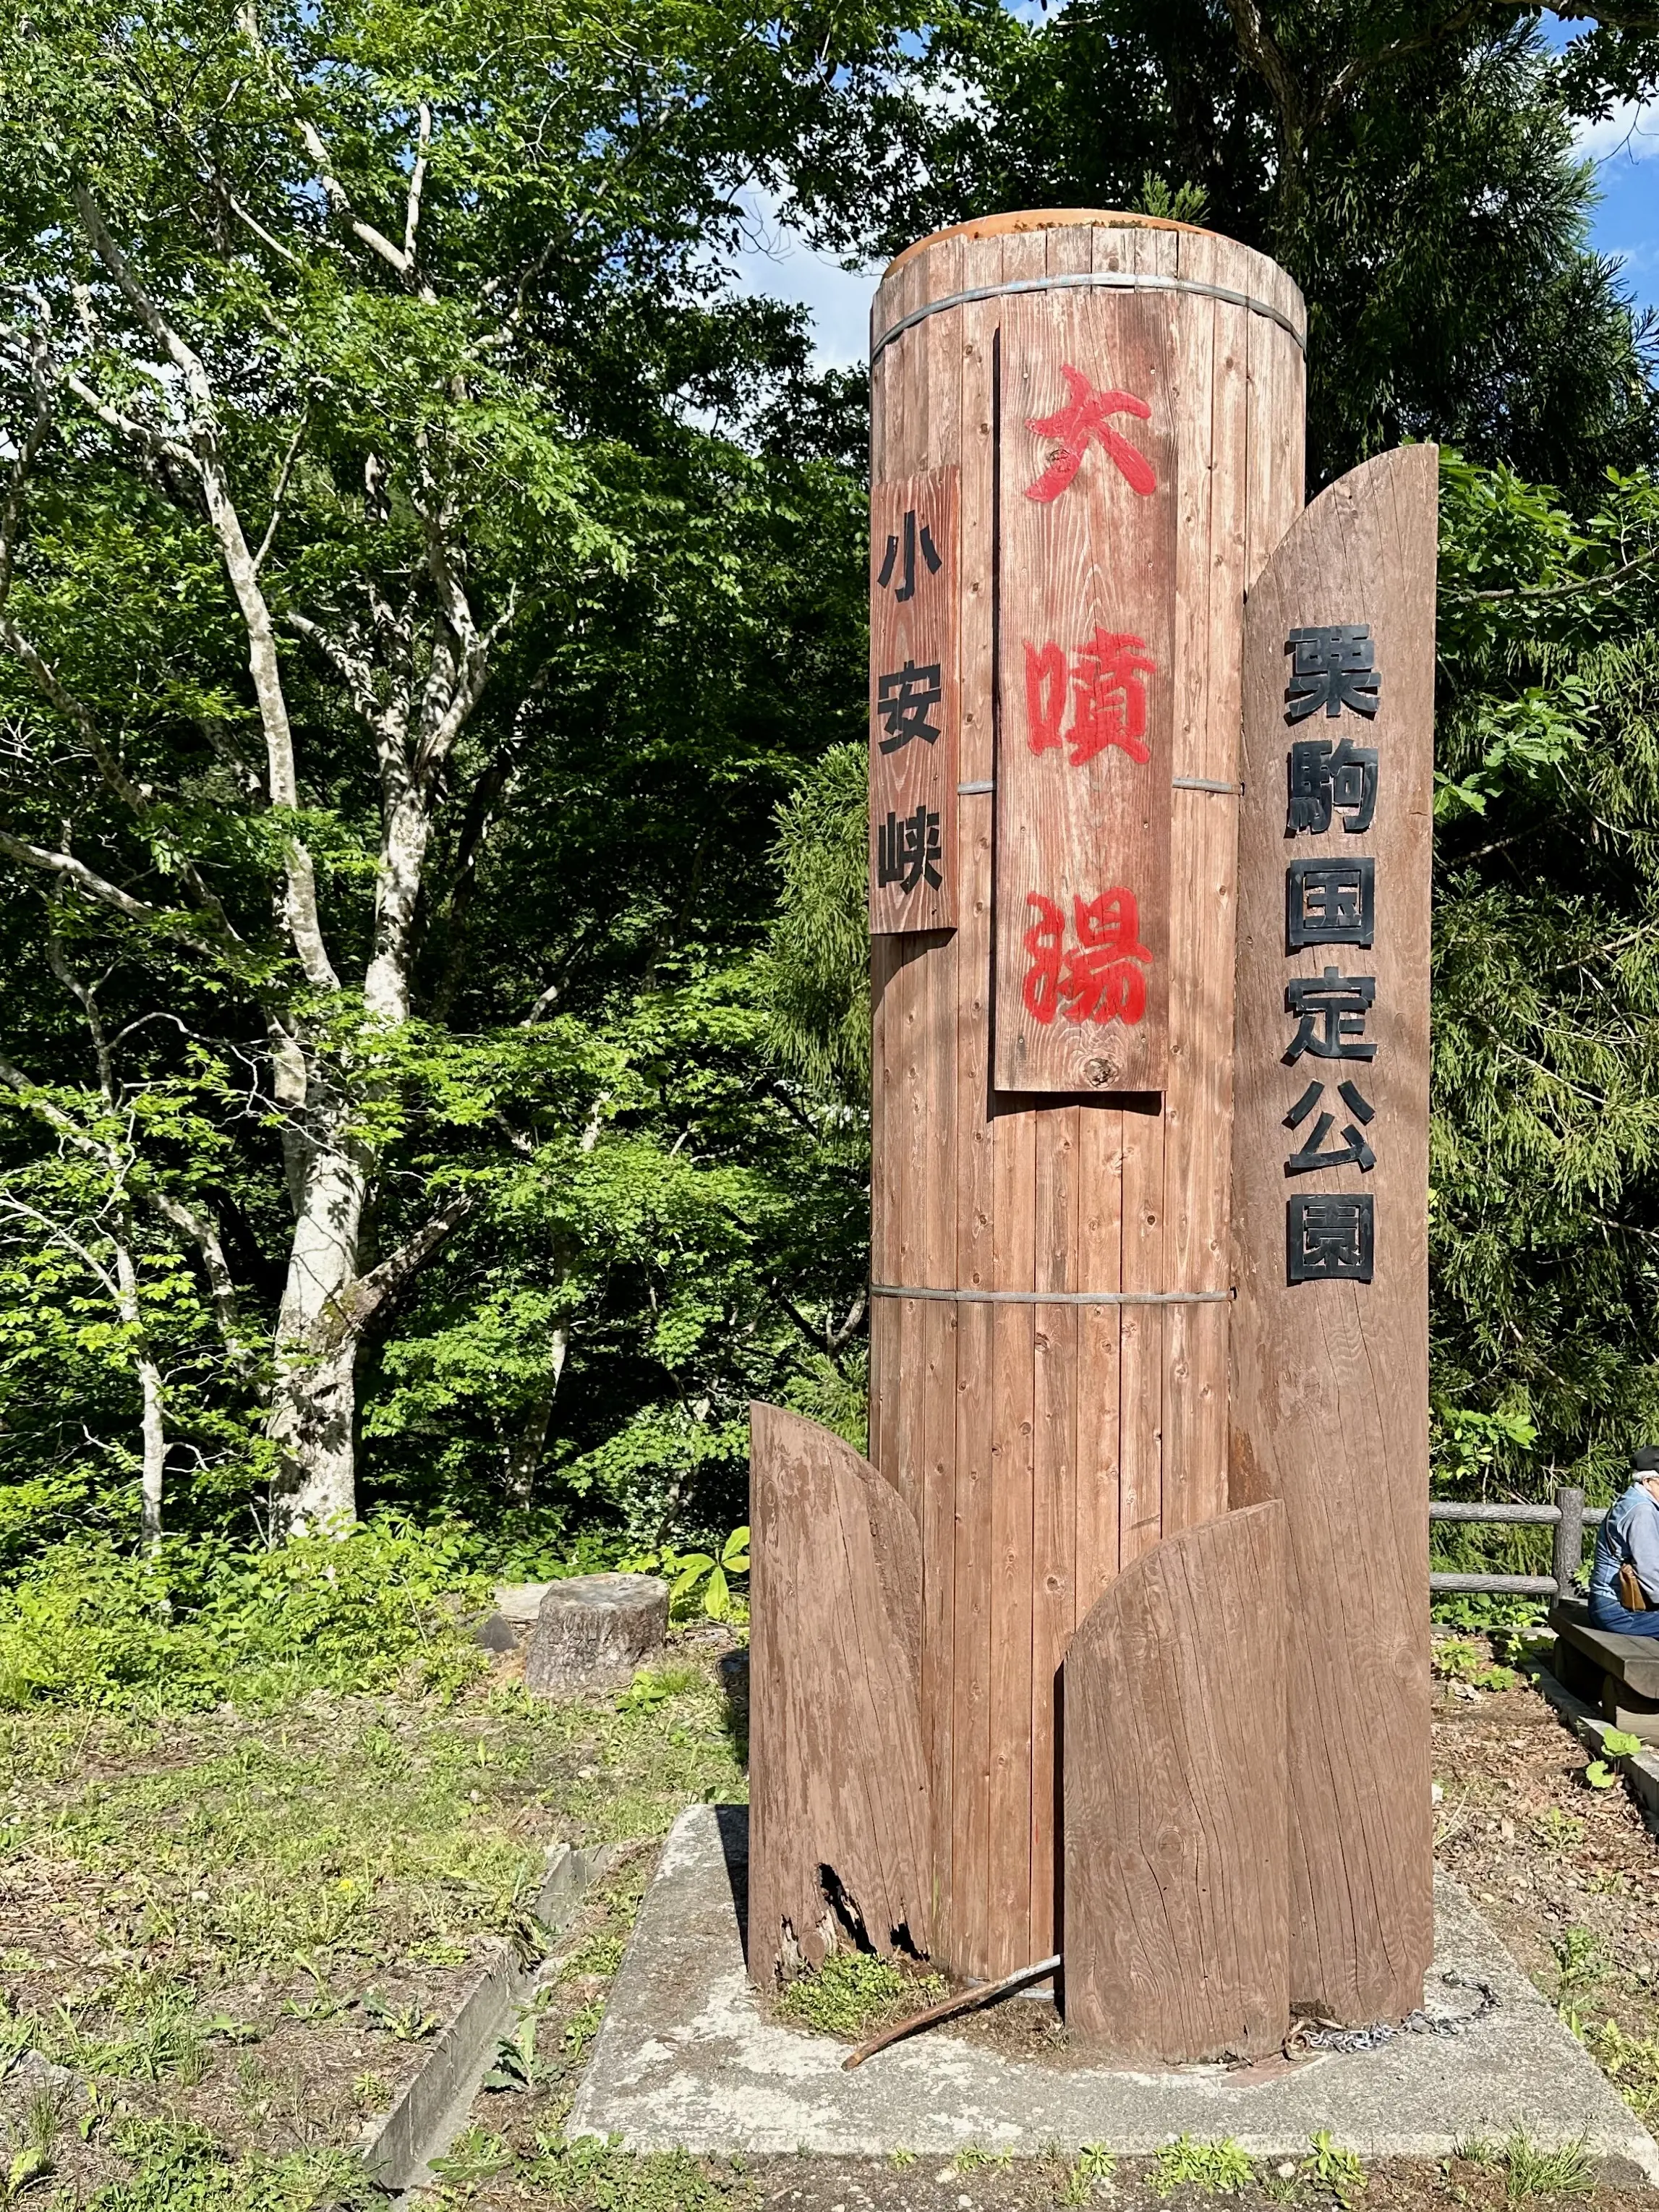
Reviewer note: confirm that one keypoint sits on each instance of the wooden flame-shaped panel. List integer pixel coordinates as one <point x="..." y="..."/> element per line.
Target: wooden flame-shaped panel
<point x="1176" y="1891"/>
<point x="838" y="1833"/>
<point x="1329" y="1400"/>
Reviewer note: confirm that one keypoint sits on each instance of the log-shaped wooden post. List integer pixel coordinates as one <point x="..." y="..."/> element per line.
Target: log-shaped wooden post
<point x="1176" y="1809"/>
<point x="838" y="1807"/>
<point x="1049" y="1262"/>
<point x="1330" y="1391"/>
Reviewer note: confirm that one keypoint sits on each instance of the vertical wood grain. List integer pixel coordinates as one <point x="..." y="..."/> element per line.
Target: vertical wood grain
<point x="918" y="632"/>
<point x="834" y="1667"/>
<point x="968" y="1915"/>
<point x="1329" y="1406"/>
<point x="1094" y="561"/>
<point x="1043" y="1446"/>
<point x="1176" y="1902"/>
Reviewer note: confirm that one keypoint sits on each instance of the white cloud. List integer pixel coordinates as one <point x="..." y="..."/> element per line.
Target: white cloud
<point x="776" y="263"/>
<point x="1632" y="130"/>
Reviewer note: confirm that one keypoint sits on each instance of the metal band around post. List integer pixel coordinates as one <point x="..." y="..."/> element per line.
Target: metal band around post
<point x="1053" y="1297"/>
<point x="1111" y="279"/>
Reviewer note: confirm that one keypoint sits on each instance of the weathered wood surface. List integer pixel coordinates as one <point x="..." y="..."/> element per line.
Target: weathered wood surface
<point x="1087" y="589"/>
<point x="1329" y="1406"/>
<point x="838" y="1821"/>
<point x="913" y="743"/>
<point x="591" y="1631"/>
<point x="1041" y="1445"/>
<point x="1176" y="1821"/>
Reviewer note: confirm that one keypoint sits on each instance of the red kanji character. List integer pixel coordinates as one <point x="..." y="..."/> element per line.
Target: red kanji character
<point x="1083" y="418"/>
<point x="1111" y="696"/>
<point x="1045" y="694"/>
<point x="1100" y="981"/>
<point x="1095" y="980"/>
<point x="1045" y="944"/>
<point x="1108" y="677"/>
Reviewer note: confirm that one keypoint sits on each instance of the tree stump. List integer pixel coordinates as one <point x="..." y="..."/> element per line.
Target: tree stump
<point x="593" y="1631"/>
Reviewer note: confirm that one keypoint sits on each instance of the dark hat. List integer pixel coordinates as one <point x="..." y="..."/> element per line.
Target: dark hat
<point x="1644" y="1459"/>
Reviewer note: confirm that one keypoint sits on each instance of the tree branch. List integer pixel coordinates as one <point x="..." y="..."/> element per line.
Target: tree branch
<point x="71" y="870"/>
<point x="416" y="180"/>
<point x="304" y="922"/>
<point x="58" y="1235"/>
<point x="370" y="1294"/>
<point x="1606" y="582"/>
<point x="280" y="493"/>
<point x="401" y="259"/>
<point x="11" y="515"/>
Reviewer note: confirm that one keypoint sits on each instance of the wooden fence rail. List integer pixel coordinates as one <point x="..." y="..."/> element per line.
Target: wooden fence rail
<point x="1569" y="1517"/>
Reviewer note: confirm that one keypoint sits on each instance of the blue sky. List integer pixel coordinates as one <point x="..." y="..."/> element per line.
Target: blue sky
<point x="1626" y="149"/>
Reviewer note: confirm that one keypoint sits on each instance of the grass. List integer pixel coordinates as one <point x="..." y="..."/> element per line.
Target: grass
<point x="853" y="1992"/>
<point x="239" y="1929"/>
<point x="370" y="1829"/>
<point x="1215" y="2168"/>
<point x="589" y="2176"/>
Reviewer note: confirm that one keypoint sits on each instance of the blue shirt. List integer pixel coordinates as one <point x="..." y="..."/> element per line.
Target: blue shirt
<point x="1630" y="1532"/>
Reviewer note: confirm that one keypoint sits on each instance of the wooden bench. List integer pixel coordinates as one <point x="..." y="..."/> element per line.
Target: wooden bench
<point x="1618" y="1674"/>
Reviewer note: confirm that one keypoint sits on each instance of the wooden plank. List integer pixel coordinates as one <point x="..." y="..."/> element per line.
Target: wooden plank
<point x="1100" y="1268"/>
<point x="1203" y="829"/>
<point x="837" y="1768"/>
<point x="884" y="958"/>
<point x="1054" y="1493"/>
<point x="1145" y="1265"/>
<point x="1177" y="1905"/>
<point x="914" y="705"/>
<point x="968" y="1921"/>
<point x="1330" y="1376"/>
<point x="943" y="369"/>
<point x="1086" y="582"/>
<point x="1013" y="1329"/>
<point x="1068" y="249"/>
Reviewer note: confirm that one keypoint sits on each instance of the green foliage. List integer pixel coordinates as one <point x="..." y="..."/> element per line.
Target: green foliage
<point x="475" y="2156"/>
<point x="1459" y="1661"/>
<point x="1568" y="2170"/>
<point x="851" y="1992"/>
<point x="817" y="976"/>
<point x="651" y="1688"/>
<point x="1620" y="1743"/>
<point x="1091" y="2170"/>
<point x="1630" y="2062"/>
<point x="1213" y="2167"/>
<point x="1580" y="1959"/>
<point x="703" y="1576"/>
<point x="1332" y="2167"/>
<point x="587" y="2175"/>
<point x="560" y="584"/>
<point x="176" y="2167"/>
<point x="201" y="1621"/>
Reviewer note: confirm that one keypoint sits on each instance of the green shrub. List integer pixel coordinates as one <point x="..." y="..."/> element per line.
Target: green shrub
<point x="1216" y="2169"/>
<point x="851" y="1992"/>
<point x="200" y="1621"/>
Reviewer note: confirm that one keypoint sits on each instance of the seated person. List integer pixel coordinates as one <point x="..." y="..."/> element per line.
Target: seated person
<point x="1624" y="1591"/>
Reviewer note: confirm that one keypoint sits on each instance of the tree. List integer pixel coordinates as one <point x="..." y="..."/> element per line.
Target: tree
<point x="1409" y="164"/>
<point x="346" y="366"/>
<point x="1414" y="169"/>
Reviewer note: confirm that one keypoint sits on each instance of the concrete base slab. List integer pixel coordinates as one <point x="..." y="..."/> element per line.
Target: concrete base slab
<point x="686" y="2058"/>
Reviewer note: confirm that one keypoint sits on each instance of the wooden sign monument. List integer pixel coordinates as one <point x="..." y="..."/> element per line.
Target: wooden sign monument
<point x="1116" y="1646"/>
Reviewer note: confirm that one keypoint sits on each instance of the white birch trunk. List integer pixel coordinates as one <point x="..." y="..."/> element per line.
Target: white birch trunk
<point x="152" y="1418"/>
<point x="313" y="1401"/>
